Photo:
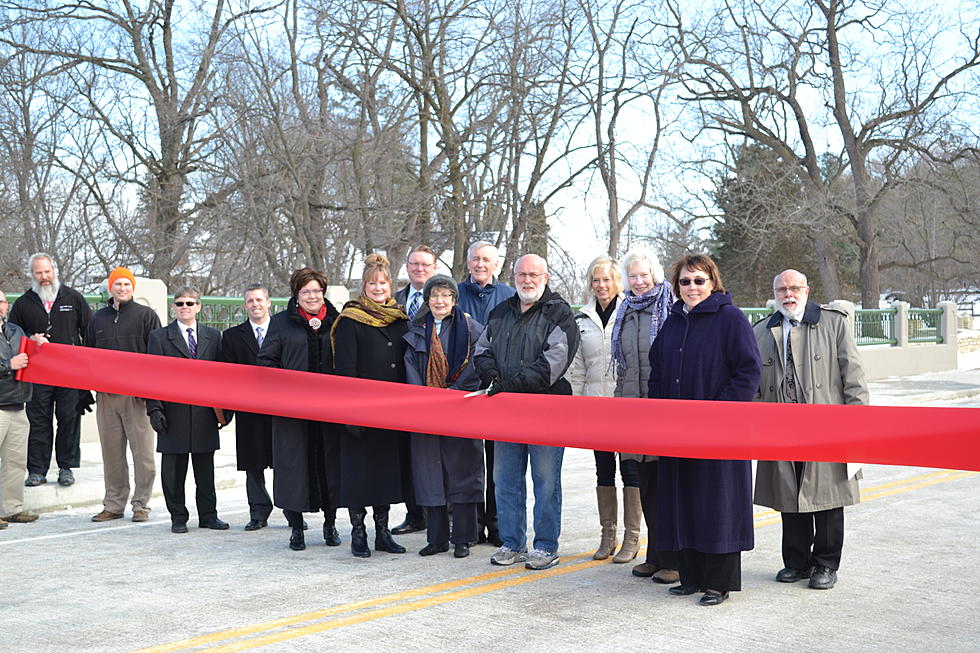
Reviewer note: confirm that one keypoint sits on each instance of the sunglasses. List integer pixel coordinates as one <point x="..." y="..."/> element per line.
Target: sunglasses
<point x="185" y="304"/>
<point x="697" y="281"/>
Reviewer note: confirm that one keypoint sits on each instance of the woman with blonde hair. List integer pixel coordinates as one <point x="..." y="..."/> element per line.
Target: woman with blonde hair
<point x="368" y="344"/>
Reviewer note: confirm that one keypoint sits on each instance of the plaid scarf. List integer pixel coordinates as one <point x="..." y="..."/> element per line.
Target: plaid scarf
<point x="660" y="297"/>
<point x="367" y="311"/>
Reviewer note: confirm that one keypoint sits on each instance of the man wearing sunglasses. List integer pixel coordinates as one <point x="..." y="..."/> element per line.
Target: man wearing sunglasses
<point x="808" y="356"/>
<point x="185" y="431"/>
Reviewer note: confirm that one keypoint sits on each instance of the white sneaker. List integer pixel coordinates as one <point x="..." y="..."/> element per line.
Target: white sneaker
<point x="507" y="556"/>
<point x="539" y="559"/>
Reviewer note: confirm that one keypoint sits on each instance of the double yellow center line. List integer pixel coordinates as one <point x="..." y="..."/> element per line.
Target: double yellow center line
<point x="318" y="621"/>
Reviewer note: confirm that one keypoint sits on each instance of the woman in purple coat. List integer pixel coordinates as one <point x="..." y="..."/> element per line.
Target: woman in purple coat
<point x="705" y="350"/>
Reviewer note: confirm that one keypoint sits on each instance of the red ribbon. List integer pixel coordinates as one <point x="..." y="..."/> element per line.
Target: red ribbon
<point x="923" y="437"/>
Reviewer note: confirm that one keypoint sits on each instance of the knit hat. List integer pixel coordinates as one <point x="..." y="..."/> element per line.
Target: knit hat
<point x="440" y="281"/>
<point x="120" y="273"/>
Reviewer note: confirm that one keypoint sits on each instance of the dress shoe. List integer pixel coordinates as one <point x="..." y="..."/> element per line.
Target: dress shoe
<point x="644" y="570"/>
<point x="256" y="524"/>
<point x="666" y="576"/>
<point x="141" y="515"/>
<point x="105" y="515"/>
<point x="792" y="574"/>
<point x="823" y="578"/>
<point x="461" y="550"/>
<point x="330" y="535"/>
<point x="432" y="549"/>
<point x="297" y="541"/>
<point x="22" y="517"/>
<point x="33" y="480"/>
<point x="682" y="590"/>
<point x="178" y="528"/>
<point x="214" y="524"/>
<point x="493" y="537"/>
<point x="713" y="598"/>
<point x="3" y="524"/>
<point x="65" y="477"/>
<point x="408" y="527"/>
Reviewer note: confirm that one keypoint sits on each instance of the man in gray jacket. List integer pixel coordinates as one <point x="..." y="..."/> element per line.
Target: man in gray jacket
<point x="808" y="356"/>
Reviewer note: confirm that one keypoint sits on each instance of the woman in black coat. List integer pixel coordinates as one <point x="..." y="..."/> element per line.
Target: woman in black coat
<point x="445" y="470"/>
<point x="298" y="340"/>
<point x="368" y="344"/>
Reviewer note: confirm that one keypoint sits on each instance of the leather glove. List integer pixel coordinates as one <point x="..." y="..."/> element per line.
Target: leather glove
<point x="355" y="431"/>
<point x="159" y="422"/>
<point x="500" y="386"/>
<point x="489" y="376"/>
<point x="85" y="401"/>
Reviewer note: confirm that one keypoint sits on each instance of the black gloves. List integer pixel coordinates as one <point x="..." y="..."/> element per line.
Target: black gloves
<point x="85" y="401"/>
<point x="356" y="432"/>
<point x="159" y="422"/>
<point x="501" y="386"/>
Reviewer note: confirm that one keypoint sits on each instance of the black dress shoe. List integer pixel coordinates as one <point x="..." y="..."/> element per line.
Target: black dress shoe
<point x="178" y="528"/>
<point x="408" y="527"/>
<point x="683" y="590"/>
<point x="432" y="549"/>
<point x="330" y="535"/>
<point x="256" y="524"/>
<point x="214" y="524"/>
<point x="493" y="537"/>
<point x="823" y="578"/>
<point x="792" y="574"/>
<point x="461" y="551"/>
<point x="297" y="541"/>
<point x="713" y="598"/>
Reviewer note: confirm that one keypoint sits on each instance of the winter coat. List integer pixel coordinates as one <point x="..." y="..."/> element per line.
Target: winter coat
<point x="711" y="354"/>
<point x="374" y="468"/>
<point x="12" y="392"/>
<point x="529" y="351"/>
<point x="302" y="450"/>
<point x="477" y="301"/>
<point x="253" y="432"/>
<point x="67" y="322"/>
<point x="592" y="373"/>
<point x="125" y="329"/>
<point x="190" y="429"/>
<point x="444" y="469"/>
<point x="828" y="371"/>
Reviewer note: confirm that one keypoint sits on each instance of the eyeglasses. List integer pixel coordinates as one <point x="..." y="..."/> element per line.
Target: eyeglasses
<point x="421" y="265"/>
<point x="697" y="281"/>
<point x="790" y="290"/>
<point x="310" y="292"/>
<point x="447" y="297"/>
<point x="534" y="276"/>
<point x="188" y="303"/>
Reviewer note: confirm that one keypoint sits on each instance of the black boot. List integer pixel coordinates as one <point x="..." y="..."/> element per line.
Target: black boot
<point x="358" y="533"/>
<point x="382" y="536"/>
<point x="297" y="541"/>
<point x="330" y="535"/>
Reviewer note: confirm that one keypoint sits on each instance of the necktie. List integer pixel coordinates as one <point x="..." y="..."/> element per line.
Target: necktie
<point x="259" y="338"/>
<point x="414" y="306"/>
<point x="191" y="342"/>
<point x="789" y="382"/>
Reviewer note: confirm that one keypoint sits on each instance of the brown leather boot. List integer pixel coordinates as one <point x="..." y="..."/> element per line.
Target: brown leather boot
<point x="632" y="517"/>
<point x="607" y="519"/>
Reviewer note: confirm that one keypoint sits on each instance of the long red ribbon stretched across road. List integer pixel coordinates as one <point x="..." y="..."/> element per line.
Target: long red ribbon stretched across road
<point x="927" y="437"/>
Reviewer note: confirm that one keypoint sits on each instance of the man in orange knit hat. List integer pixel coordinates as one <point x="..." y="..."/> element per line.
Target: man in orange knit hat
<point x="124" y="325"/>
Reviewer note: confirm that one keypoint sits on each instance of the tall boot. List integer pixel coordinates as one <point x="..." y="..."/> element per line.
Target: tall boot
<point x="382" y="536"/>
<point x="358" y="533"/>
<point x="632" y="517"/>
<point x="606" y="495"/>
<point x="330" y="535"/>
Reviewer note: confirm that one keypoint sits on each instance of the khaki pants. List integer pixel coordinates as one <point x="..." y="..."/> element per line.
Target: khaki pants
<point x="123" y="419"/>
<point x="14" y="428"/>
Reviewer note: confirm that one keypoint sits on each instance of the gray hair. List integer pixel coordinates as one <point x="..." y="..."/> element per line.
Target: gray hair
<point x="805" y="282"/>
<point x="643" y="256"/>
<point x="480" y="244"/>
<point x="34" y="257"/>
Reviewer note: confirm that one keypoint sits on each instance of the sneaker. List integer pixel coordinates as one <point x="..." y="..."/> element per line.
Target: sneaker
<point x="507" y="556"/>
<point x="33" y="480"/>
<point x="65" y="477"/>
<point x="539" y="559"/>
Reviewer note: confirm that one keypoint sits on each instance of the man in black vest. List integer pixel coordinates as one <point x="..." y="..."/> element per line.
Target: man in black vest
<point x="61" y="314"/>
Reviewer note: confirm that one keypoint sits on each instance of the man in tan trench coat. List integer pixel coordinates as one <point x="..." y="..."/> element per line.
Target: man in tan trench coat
<point x="808" y="356"/>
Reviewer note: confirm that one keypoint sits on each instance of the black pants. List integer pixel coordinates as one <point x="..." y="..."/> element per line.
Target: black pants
<point x="48" y="403"/>
<point x="813" y="538"/>
<point x="711" y="571"/>
<point x="605" y="470"/>
<point x="173" y="476"/>
<point x="487" y="512"/>
<point x="647" y="473"/>
<point x="259" y="501"/>
<point x="464" y="524"/>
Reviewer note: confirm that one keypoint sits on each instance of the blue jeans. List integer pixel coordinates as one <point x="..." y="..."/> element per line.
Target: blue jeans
<point x="509" y="476"/>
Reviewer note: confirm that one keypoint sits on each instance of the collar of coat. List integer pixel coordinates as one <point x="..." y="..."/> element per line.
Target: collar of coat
<point x="712" y="304"/>
<point x="811" y="315"/>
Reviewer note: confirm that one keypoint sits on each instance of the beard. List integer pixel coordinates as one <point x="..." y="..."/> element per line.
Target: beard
<point x="530" y="296"/>
<point x="46" y="293"/>
<point x="796" y="314"/>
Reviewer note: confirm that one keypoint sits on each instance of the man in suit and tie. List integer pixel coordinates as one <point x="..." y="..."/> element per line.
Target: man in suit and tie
<point x="184" y="430"/>
<point x="421" y="265"/>
<point x="253" y="433"/>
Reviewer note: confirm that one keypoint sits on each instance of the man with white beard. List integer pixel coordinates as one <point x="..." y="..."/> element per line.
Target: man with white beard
<point x="808" y="356"/>
<point x="61" y="314"/>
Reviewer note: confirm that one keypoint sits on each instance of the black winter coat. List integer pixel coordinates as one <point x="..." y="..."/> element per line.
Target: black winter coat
<point x="301" y="449"/>
<point x="190" y="429"/>
<point x="373" y="467"/>
<point x="67" y="322"/>
<point x="253" y="432"/>
<point x="127" y="329"/>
